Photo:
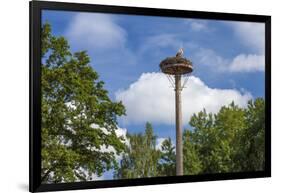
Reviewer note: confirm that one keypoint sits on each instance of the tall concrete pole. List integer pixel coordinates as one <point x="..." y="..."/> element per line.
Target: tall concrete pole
<point x="179" y="158"/>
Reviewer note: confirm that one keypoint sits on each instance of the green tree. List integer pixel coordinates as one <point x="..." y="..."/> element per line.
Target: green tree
<point x="78" y="117"/>
<point x="229" y="124"/>
<point x="167" y="162"/>
<point x="215" y="138"/>
<point x="191" y="163"/>
<point x="141" y="157"/>
<point x="252" y="140"/>
<point x="198" y="143"/>
<point x="230" y="141"/>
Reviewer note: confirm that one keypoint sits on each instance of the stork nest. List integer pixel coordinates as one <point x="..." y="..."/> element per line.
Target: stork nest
<point x="176" y="65"/>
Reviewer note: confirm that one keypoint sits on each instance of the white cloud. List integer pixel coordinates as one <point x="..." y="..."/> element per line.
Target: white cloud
<point x="154" y="45"/>
<point x="104" y="130"/>
<point x="95" y="177"/>
<point x="151" y="98"/>
<point x="120" y="132"/>
<point x="251" y="34"/>
<point x="164" y="40"/>
<point x="210" y="58"/>
<point x="159" y="142"/>
<point x="198" y="26"/>
<point x="247" y="63"/>
<point x="240" y="63"/>
<point x="104" y="39"/>
<point x="97" y="31"/>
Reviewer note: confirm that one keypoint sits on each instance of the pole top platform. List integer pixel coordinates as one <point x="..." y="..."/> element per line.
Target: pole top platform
<point x="176" y="66"/>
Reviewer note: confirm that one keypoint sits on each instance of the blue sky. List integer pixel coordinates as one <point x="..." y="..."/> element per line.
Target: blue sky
<point x="228" y="59"/>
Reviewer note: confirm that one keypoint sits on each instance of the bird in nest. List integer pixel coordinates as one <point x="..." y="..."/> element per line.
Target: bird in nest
<point x="180" y="53"/>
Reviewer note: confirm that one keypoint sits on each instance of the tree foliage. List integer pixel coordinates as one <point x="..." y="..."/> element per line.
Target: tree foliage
<point x="78" y="117"/>
<point x="167" y="162"/>
<point x="230" y="141"/>
<point x="141" y="156"/>
<point x="192" y="164"/>
<point x="252" y="139"/>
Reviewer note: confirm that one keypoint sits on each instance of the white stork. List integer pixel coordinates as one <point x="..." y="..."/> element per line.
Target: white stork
<point x="180" y="53"/>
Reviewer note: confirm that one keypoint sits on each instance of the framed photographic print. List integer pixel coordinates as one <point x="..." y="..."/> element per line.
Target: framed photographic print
<point x="126" y="96"/>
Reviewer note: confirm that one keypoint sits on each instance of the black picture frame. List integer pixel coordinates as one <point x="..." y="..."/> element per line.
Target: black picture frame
<point x="36" y="8"/>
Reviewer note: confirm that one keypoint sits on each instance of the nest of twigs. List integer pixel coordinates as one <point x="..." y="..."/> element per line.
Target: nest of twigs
<point x="176" y="65"/>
